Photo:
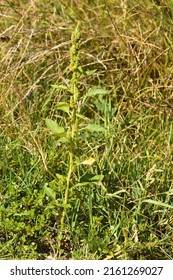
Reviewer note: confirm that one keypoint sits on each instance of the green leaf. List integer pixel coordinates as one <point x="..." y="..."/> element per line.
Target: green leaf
<point x="97" y="178"/>
<point x="61" y="177"/>
<point x="80" y="69"/>
<point x="49" y="192"/>
<point x="90" y="72"/>
<point x="60" y="87"/>
<point x="61" y="140"/>
<point x="95" y="91"/>
<point x="96" y="182"/>
<point x="52" y="204"/>
<point x="159" y="203"/>
<point x="95" y="127"/>
<point x="115" y="194"/>
<point x="82" y="117"/>
<point x="63" y="106"/>
<point x="54" y="128"/>
<point x="82" y="184"/>
<point x="25" y="213"/>
<point x="64" y="205"/>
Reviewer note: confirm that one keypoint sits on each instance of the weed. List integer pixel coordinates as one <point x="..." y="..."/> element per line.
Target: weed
<point x="100" y="185"/>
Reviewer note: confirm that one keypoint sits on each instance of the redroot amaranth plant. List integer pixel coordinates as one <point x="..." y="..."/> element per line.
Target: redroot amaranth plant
<point x="74" y="55"/>
<point x="73" y="123"/>
<point x="71" y="135"/>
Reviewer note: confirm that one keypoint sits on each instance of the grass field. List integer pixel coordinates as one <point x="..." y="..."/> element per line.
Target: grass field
<point x="86" y="132"/>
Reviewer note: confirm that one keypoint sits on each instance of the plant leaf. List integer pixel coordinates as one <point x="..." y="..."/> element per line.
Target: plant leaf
<point x="60" y="87"/>
<point x="88" y="161"/>
<point x="159" y="203"/>
<point x="63" y="205"/>
<point x="82" y="117"/>
<point x="95" y="91"/>
<point x="61" y="177"/>
<point x="90" y="72"/>
<point x="61" y="140"/>
<point x="63" y="106"/>
<point x="97" y="178"/>
<point x="82" y="184"/>
<point x="49" y="192"/>
<point x="95" y="127"/>
<point x="115" y="194"/>
<point x="54" y="128"/>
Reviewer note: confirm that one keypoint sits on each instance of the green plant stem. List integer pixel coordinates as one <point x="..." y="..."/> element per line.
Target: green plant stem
<point x="74" y="54"/>
<point x="68" y="184"/>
